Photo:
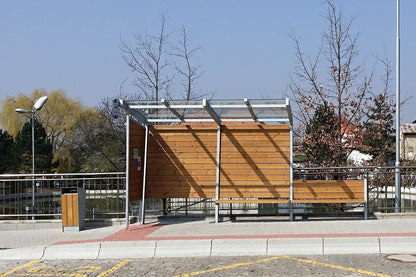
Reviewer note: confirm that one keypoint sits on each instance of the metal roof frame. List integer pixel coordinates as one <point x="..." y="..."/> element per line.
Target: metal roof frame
<point x="169" y="112"/>
<point x="172" y="112"/>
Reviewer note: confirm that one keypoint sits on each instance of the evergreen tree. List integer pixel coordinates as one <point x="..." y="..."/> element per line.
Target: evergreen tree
<point x="318" y="142"/>
<point x="7" y="160"/>
<point x="378" y="139"/>
<point x="43" y="149"/>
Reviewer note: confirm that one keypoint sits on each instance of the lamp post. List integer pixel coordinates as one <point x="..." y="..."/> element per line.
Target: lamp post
<point x="36" y="107"/>
<point x="397" y="185"/>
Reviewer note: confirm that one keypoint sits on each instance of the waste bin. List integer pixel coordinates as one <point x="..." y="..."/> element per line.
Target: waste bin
<point x="73" y="209"/>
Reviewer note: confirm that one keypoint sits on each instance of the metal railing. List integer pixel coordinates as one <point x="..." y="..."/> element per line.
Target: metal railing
<point x="105" y="194"/>
<point x="381" y="187"/>
<point x="381" y="184"/>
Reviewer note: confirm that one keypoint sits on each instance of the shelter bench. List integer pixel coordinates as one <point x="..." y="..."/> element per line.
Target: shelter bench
<point x="252" y="201"/>
<point x="331" y="192"/>
<point x="315" y="192"/>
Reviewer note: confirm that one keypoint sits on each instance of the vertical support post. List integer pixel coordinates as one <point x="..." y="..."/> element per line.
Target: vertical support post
<point x="127" y="168"/>
<point x="33" y="164"/>
<point x="144" y="175"/>
<point x="217" y="174"/>
<point x="291" y="174"/>
<point x="397" y="180"/>
<point x="366" y="198"/>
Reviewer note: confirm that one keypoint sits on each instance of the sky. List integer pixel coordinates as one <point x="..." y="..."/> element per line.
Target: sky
<point x="246" y="50"/>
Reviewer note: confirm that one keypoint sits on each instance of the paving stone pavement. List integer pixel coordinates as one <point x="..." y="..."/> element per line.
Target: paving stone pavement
<point x="176" y="237"/>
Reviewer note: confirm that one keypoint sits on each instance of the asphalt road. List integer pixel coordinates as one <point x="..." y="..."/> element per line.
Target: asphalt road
<point x="323" y="265"/>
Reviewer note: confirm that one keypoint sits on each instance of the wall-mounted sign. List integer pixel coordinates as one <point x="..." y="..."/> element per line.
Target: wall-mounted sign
<point x="139" y="163"/>
<point x="137" y="157"/>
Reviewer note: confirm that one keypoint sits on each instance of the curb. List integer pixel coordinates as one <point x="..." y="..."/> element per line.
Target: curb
<point x="216" y="247"/>
<point x="16" y="225"/>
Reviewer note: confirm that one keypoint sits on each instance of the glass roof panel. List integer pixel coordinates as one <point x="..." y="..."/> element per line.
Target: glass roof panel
<point x="269" y="111"/>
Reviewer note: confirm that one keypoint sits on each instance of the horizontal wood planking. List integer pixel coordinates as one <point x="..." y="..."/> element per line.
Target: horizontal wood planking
<point x="240" y="180"/>
<point x="261" y="149"/>
<point x="274" y="168"/>
<point x="200" y="192"/>
<point x="255" y="162"/>
<point x="193" y="172"/>
<point x="331" y="191"/>
<point x="329" y="201"/>
<point x="196" y="158"/>
<point x="182" y="161"/>
<point x="186" y="184"/>
<point x="188" y="192"/>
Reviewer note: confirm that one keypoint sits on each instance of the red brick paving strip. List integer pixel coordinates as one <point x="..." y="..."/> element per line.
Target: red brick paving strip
<point x="136" y="232"/>
<point x="141" y="232"/>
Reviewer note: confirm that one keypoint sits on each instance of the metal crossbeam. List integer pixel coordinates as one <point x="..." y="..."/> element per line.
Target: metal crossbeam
<point x="211" y="111"/>
<point x="289" y="112"/>
<point x="135" y="113"/>
<point x="218" y="111"/>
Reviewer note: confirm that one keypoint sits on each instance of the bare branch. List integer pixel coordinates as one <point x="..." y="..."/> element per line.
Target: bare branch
<point x="189" y="72"/>
<point x="147" y="59"/>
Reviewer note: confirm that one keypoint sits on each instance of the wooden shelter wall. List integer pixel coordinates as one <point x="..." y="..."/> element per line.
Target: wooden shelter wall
<point x="255" y="161"/>
<point x="136" y="141"/>
<point x="182" y="161"/>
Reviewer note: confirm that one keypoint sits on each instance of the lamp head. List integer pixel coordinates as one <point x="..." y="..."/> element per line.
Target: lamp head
<point x="39" y="103"/>
<point x="21" y="111"/>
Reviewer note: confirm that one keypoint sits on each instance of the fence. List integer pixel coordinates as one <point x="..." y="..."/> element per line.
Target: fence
<point x="381" y="187"/>
<point x="381" y="184"/>
<point x="105" y="194"/>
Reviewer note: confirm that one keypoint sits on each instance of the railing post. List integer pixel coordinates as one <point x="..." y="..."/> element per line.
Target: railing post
<point x="366" y="198"/>
<point x="291" y="175"/>
<point x="127" y="169"/>
<point x="146" y="141"/>
<point x="217" y="174"/>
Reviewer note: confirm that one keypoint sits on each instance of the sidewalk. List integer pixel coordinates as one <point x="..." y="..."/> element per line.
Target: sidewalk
<point x="179" y="237"/>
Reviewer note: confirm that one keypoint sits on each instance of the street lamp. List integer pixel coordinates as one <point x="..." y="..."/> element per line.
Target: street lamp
<point x="36" y="107"/>
<point x="397" y="176"/>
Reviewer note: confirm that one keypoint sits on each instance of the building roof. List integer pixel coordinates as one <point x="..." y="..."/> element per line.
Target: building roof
<point x="168" y="112"/>
<point x="408" y="128"/>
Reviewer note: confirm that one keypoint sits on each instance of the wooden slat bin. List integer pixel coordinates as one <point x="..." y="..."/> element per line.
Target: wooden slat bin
<point x="73" y="209"/>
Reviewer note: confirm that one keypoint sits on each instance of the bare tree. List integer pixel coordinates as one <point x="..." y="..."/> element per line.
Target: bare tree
<point x="189" y="72"/>
<point x="149" y="60"/>
<point x="341" y="91"/>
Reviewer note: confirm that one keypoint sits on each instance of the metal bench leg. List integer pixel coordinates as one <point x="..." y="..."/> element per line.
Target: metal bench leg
<point x="366" y="199"/>
<point x="365" y="210"/>
<point x="217" y="212"/>
<point x="291" y="211"/>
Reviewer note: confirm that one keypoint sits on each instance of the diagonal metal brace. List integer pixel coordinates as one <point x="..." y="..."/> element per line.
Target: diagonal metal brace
<point x="250" y="109"/>
<point x="174" y="111"/>
<point x="136" y="114"/>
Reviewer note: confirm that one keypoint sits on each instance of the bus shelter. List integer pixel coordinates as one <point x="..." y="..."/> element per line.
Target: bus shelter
<point x="234" y="151"/>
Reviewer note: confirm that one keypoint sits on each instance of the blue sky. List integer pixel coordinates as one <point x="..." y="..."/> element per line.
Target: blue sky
<point x="246" y="50"/>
